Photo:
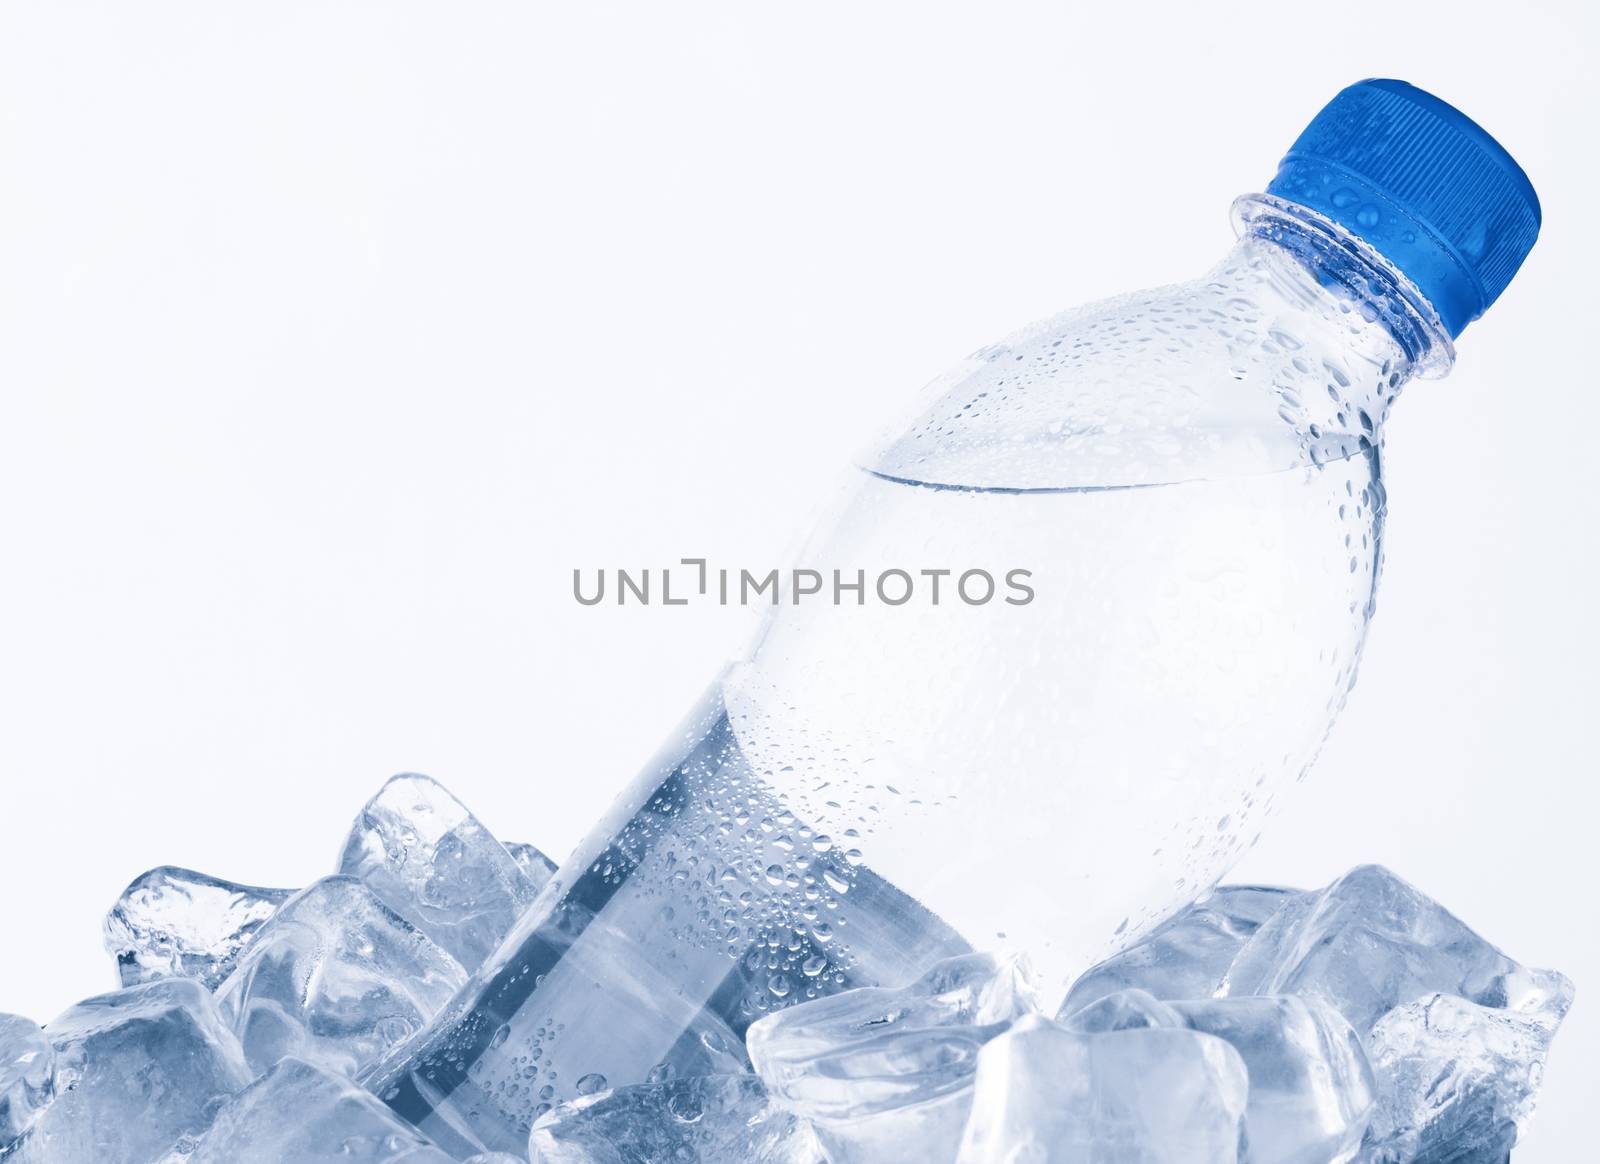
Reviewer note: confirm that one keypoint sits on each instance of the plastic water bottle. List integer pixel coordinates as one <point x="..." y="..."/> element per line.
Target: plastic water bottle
<point x="1077" y="623"/>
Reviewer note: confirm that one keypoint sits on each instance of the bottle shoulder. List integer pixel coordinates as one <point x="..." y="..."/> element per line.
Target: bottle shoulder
<point x="1217" y="377"/>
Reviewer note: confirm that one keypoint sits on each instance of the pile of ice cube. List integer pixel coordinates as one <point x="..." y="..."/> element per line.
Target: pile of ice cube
<point x="1360" y="1022"/>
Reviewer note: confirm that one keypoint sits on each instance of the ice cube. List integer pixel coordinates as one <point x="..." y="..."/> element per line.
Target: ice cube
<point x="335" y="977"/>
<point x="1456" y="1081"/>
<point x="494" y="1158"/>
<point x="1126" y="1010"/>
<point x="1186" y="955"/>
<point x="1047" y="1095"/>
<point x="27" y="1076"/>
<point x="1311" y="1091"/>
<point x="535" y="866"/>
<point x="300" y="1113"/>
<point x="1369" y="942"/>
<point x="176" y="922"/>
<point x="140" y="1069"/>
<point x="707" y="1118"/>
<point x="433" y="863"/>
<point x="884" y="1073"/>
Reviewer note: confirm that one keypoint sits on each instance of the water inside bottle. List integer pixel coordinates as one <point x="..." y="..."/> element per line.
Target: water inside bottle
<point x="1114" y="742"/>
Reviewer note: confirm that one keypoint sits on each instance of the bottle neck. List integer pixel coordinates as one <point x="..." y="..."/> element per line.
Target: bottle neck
<point x="1329" y="272"/>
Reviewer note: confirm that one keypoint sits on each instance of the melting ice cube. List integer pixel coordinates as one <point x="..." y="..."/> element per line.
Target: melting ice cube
<point x="336" y="977"/>
<point x="535" y="866"/>
<point x="300" y="1113"/>
<point x="1126" y="1010"/>
<point x="27" y="1076"/>
<point x="708" y="1118"/>
<point x="433" y="863"/>
<point x="176" y="922"/>
<point x="887" y="1073"/>
<point x="1048" y="1095"/>
<point x="1310" y="1086"/>
<point x="1369" y="942"/>
<point x="1311" y="1091"/>
<point x="1186" y="955"/>
<point x="141" y="1069"/>
<point x="1456" y="1081"/>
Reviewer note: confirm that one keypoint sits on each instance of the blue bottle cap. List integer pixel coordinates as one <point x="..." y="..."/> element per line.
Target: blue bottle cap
<point x="1424" y="186"/>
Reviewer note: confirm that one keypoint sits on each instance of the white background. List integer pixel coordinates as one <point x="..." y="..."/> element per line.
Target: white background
<point x="333" y="336"/>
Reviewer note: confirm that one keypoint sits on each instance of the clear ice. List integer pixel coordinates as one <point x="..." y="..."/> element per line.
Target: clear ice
<point x="435" y="864"/>
<point x="142" y="1069"/>
<point x="1456" y="1081"/>
<point x="299" y="1113"/>
<point x="535" y="866"/>
<point x="174" y="922"/>
<point x="708" y="1118"/>
<point x="1047" y="1095"/>
<point x="1126" y="1010"/>
<point x="1361" y="1022"/>
<point x="882" y="1072"/>
<point x="335" y="977"/>
<point x="1186" y="955"/>
<point x="1310" y="1086"/>
<point x="1311" y="1091"/>
<point x="1370" y="942"/>
<point x="27" y="1076"/>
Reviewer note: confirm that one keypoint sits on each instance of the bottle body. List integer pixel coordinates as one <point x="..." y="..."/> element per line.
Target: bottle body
<point x="1191" y="480"/>
<point x="1177" y="499"/>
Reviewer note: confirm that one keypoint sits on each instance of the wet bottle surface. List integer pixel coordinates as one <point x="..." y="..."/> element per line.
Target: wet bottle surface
<point x="1192" y="477"/>
<point x="698" y="905"/>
